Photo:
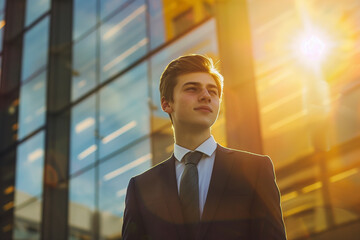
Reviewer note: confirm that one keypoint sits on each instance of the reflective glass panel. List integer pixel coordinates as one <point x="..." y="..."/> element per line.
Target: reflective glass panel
<point x="109" y="6"/>
<point x="346" y="116"/>
<point x="0" y="69"/>
<point x="124" y="111"/>
<point x="2" y="22"/>
<point x="35" y="51"/>
<point x="32" y="106"/>
<point x="82" y="217"/>
<point x="162" y="144"/>
<point x="27" y="221"/>
<point x="304" y="211"/>
<point x="29" y="169"/>
<point x="306" y="97"/>
<point x="157" y="24"/>
<point x="123" y="39"/>
<point x="84" y="16"/>
<point x="82" y="138"/>
<point x="115" y="174"/>
<point x="344" y="180"/>
<point x="202" y="41"/>
<point x="345" y="201"/>
<point x="84" y="66"/>
<point x="34" y="9"/>
<point x="181" y="16"/>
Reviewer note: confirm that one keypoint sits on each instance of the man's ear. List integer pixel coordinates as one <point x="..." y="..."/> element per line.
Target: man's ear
<point x="165" y="106"/>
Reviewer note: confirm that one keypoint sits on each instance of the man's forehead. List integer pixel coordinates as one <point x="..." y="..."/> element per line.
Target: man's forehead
<point x="199" y="84"/>
<point x="197" y="78"/>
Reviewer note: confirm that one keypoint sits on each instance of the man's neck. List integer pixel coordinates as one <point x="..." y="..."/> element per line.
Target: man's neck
<point x="191" y="140"/>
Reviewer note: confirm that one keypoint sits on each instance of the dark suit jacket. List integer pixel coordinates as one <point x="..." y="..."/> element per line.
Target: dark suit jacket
<point x="243" y="201"/>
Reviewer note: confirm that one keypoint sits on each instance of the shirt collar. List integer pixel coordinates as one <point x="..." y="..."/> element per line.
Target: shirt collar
<point x="207" y="147"/>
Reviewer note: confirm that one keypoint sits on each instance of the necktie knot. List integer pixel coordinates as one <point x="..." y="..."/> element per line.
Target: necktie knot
<point x="192" y="158"/>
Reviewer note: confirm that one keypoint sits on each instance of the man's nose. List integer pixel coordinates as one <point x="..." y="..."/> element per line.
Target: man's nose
<point x="205" y="95"/>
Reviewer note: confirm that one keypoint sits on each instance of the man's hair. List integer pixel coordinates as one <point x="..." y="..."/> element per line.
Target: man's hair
<point x="187" y="64"/>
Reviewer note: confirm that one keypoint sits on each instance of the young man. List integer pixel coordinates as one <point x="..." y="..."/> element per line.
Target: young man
<point x="203" y="191"/>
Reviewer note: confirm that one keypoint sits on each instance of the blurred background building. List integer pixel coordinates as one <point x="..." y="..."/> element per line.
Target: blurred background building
<point x="80" y="107"/>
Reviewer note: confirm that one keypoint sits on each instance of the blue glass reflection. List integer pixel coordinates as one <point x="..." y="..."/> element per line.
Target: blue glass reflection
<point x="2" y="21"/>
<point x="157" y="26"/>
<point x="32" y="106"/>
<point x="84" y="16"/>
<point x="109" y="6"/>
<point x="201" y="41"/>
<point x="29" y="169"/>
<point x="82" y="137"/>
<point x="124" y="112"/>
<point x="27" y="221"/>
<point x="34" y="9"/>
<point x="123" y="39"/>
<point x="82" y="204"/>
<point x="35" y="51"/>
<point x="115" y="174"/>
<point x="84" y="66"/>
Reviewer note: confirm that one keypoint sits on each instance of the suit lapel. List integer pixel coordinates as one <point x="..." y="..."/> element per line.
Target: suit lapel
<point x="170" y="194"/>
<point x="222" y="165"/>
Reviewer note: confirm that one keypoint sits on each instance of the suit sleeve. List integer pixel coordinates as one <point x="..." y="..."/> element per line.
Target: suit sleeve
<point x="133" y="226"/>
<point x="267" y="222"/>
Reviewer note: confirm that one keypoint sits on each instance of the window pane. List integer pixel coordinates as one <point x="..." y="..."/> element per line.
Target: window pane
<point x="162" y="144"/>
<point x="306" y="213"/>
<point x="345" y="201"/>
<point x="124" y="111"/>
<point x="109" y="6"/>
<point x="82" y="215"/>
<point x="29" y="169"/>
<point x="27" y="221"/>
<point x="82" y="142"/>
<point x="0" y="68"/>
<point x="157" y="25"/>
<point x="115" y="174"/>
<point x="32" y="106"/>
<point x="180" y="16"/>
<point x="344" y="177"/>
<point x="84" y="66"/>
<point x="84" y="16"/>
<point x="2" y="22"/>
<point x="202" y="41"/>
<point x="347" y="117"/>
<point x="35" y="52"/>
<point x="123" y="39"/>
<point x="34" y="9"/>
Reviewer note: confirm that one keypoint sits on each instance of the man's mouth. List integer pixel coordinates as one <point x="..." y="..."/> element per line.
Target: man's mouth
<point x="204" y="108"/>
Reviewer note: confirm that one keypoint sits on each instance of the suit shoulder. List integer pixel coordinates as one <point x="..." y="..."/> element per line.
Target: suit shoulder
<point x="248" y="158"/>
<point x="243" y="153"/>
<point x="152" y="172"/>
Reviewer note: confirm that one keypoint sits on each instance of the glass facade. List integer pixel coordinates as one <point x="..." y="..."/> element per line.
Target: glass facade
<point x="28" y="187"/>
<point x="35" y="50"/>
<point x="35" y="9"/>
<point x="305" y="59"/>
<point x="309" y="109"/>
<point x="32" y="105"/>
<point x="2" y="21"/>
<point x="129" y="25"/>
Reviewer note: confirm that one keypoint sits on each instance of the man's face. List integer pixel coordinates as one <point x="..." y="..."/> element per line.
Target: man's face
<point x="196" y="101"/>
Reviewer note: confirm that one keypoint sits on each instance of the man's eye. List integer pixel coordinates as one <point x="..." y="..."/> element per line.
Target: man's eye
<point x="213" y="92"/>
<point x="192" y="89"/>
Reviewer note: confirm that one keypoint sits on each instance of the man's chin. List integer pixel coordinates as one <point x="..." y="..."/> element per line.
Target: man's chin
<point x="200" y="125"/>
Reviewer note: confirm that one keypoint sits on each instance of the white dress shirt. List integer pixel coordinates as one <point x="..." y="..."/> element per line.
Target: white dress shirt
<point x="205" y="167"/>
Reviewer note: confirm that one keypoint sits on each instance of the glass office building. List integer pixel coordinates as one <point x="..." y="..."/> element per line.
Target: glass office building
<point x="80" y="107"/>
